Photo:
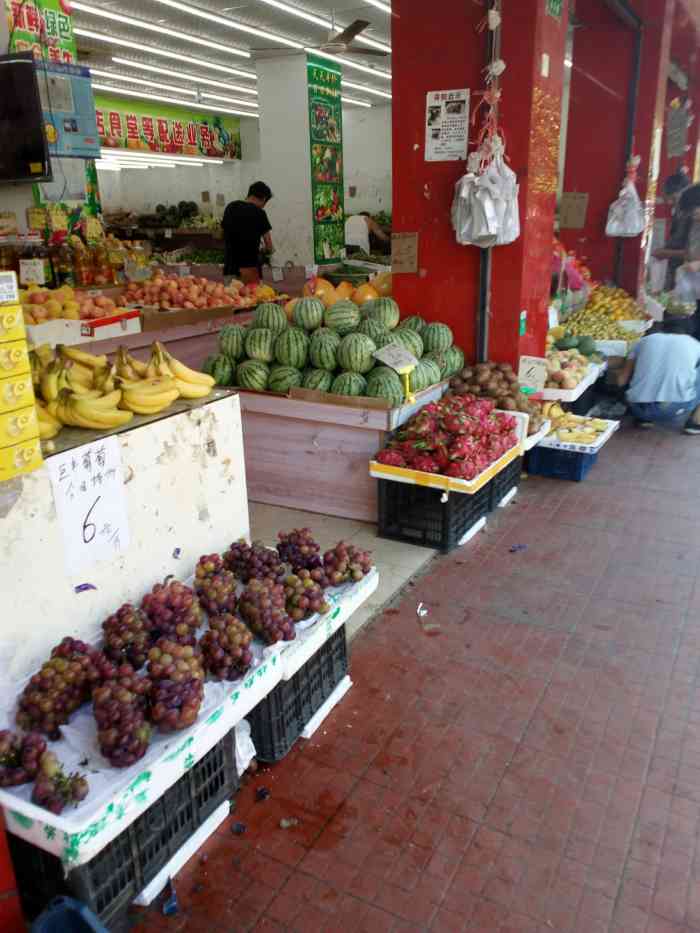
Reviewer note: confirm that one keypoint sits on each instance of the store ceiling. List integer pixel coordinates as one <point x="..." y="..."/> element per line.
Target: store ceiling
<point x="138" y="45"/>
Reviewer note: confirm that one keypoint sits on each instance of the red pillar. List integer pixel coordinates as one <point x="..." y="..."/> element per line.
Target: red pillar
<point x="11" y="920"/>
<point x="530" y="116"/>
<point x="433" y="49"/>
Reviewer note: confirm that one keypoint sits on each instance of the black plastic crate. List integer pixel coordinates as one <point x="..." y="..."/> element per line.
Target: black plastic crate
<point x="110" y="881"/>
<point x="503" y="482"/>
<point x="278" y="720"/>
<point x="418" y="514"/>
<point x="559" y="464"/>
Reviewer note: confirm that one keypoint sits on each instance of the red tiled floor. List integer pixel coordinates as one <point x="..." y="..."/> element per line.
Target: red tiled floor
<point x="532" y="768"/>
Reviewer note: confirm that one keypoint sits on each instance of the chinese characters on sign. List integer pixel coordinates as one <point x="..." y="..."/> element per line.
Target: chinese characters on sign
<point x="326" y="131"/>
<point x="446" y="125"/>
<point x="88" y="490"/>
<point x="42" y="27"/>
<point x="532" y="372"/>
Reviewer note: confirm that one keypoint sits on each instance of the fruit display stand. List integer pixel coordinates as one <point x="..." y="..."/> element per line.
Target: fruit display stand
<point x="289" y="438"/>
<point x="564" y="460"/>
<point x="595" y="371"/>
<point x="532" y="440"/>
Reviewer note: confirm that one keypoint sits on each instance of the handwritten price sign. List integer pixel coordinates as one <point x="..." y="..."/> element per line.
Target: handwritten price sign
<point x="88" y="490"/>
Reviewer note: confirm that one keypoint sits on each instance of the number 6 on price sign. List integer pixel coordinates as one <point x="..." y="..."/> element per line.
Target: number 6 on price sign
<point x="88" y="489"/>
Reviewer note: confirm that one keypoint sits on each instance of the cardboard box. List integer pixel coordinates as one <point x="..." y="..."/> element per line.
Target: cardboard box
<point x="74" y="332"/>
<point x="153" y="318"/>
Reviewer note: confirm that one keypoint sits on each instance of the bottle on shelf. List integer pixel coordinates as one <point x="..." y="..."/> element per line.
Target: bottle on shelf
<point x="82" y="266"/>
<point x="62" y="260"/>
<point x="34" y="264"/>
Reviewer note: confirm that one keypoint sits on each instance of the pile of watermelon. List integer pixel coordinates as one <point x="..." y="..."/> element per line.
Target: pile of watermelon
<point x="331" y="350"/>
<point x="459" y="436"/>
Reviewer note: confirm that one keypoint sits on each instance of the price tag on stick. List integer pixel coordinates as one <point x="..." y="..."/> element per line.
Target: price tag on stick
<point x="88" y="489"/>
<point x="532" y="373"/>
<point x="401" y="361"/>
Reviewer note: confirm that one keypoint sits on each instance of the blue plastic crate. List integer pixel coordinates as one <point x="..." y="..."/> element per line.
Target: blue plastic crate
<point x="559" y="464"/>
<point x="66" y="915"/>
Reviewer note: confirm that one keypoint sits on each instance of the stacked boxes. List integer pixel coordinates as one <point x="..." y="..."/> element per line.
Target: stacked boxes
<point x="20" y="449"/>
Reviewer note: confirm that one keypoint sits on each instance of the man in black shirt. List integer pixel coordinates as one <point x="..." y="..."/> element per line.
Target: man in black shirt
<point x="245" y="224"/>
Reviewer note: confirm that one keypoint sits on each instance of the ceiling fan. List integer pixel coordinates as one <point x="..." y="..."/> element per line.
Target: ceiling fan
<point x="340" y="43"/>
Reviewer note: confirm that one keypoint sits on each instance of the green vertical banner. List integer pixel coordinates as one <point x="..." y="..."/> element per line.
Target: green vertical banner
<point x="326" y="138"/>
<point x="43" y="27"/>
<point x="554" y="8"/>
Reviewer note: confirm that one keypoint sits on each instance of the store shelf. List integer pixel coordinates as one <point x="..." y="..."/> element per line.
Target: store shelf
<point x="553" y="443"/>
<point x="118" y="797"/>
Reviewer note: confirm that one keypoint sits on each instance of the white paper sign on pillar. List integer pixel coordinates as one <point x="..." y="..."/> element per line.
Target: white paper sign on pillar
<point x="88" y="489"/>
<point x="446" y="125"/>
<point x="532" y="373"/>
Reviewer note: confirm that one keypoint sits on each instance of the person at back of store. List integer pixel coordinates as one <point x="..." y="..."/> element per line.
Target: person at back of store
<point x="247" y="229"/>
<point x="676" y="242"/>
<point x="359" y="229"/>
<point x="663" y="378"/>
<point x="689" y="205"/>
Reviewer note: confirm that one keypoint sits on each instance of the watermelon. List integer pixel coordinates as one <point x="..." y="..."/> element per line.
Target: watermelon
<point x="322" y="351"/>
<point x="222" y="370"/>
<point x="282" y="378"/>
<point x="208" y="364"/>
<point x="308" y="313"/>
<point x="432" y="370"/>
<point x="385" y="311"/>
<point x="455" y="359"/>
<point x="232" y="341"/>
<point x="355" y="353"/>
<point x="414" y="322"/>
<point x="349" y="384"/>
<point x="327" y="332"/>
<point x="343" y="317"/>
<point x="425" y="374"/>
<point x="317" y="379"/>
<point x="385" y="339"/>
<point x="260" y="344"/>
<point x="292" y="347"/>
<point x="437" y="336"/>
<point x="383" y="382"/>
<point x="409" y="339"/>
<point x="372" y="329"/>
<point x="252" y="374"/>
<point x="271" y="316"/>
<point x="439" y="357"/>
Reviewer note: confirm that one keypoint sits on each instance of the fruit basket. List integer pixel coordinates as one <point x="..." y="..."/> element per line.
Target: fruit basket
<point x="560" y="464"/>
<point x="595" y="370"/>
<point x="113" y="878"/>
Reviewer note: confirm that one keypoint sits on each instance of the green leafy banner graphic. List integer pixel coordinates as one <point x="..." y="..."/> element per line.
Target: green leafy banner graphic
<point x="326" y="138"/>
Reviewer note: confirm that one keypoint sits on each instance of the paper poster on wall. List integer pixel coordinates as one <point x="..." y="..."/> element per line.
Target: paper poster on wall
<point x="676" y="131"/>
<point x="404" y="252"/>
<point x="43" y="27"/>
<point x="88" y="489"/>
<point x="572" y="210"/>
<point x="326" y="144"/>
<point x="446" y="125"/>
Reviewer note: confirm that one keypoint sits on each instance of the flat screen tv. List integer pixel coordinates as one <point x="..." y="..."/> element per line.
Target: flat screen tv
<point x="24" y="153"/>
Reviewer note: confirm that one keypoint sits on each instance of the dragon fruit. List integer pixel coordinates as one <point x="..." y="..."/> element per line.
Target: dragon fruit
<point x="458" y="424"/>
<point x="391" y="457"/>
<point x="423" y="425"/>
<point x="425" y="463"/>
<point x="463" y="446"/>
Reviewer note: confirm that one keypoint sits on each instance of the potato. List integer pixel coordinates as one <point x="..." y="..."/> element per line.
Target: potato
<point x="482" y="377"/>
<point x="467" y="373"/>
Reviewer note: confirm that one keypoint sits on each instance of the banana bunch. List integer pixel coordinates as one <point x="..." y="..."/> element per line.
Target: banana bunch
<point x="100" y="414"/>
<point x="49" y="426"/>
<point x="576" y="429"/>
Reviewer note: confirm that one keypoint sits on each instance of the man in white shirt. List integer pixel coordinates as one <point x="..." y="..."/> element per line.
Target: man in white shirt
<point x="663" y="372"/>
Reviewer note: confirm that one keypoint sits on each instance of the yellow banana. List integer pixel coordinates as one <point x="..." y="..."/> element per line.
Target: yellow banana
<point x="48" y="430"/>
<point x="82" y="357"/>
<point x="138" y="366"/>
<point x="66" y="381"/>
<point x="180" y="371"/>
<point x="35" y="364"/>
<point x="49" y="382"/>
<point x="103" y="402"/>
<point x="192" y="389"/>
<point x="147" y="404"/>
<point x="123" y="368"/>
<point x="43" y="414"/>
<point x="105" y="379"/>
<point x="86" y="415"/>
<point x="45" y="353"/>
<point x="81" y="374"/>
<point x="149" y="386"/>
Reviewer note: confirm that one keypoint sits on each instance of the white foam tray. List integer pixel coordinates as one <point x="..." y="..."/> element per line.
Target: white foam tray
<point x="595" y="370"/>
<point x="534" y="439"/>
<point x="554" y="443"/>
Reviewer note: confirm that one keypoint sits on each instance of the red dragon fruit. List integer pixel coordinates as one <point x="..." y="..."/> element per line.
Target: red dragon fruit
<point x="510" y="439"/>
<point x="423" y="425"/>
<point x="458" y="424"/>
<point x="480" y="408"/>
<point x="441" y="455"/>
<point x="462" y="469"/>
<point x="425" y="463"/>
<point x="391" y="457"/>
<point x="463" y="446"/>
<point x="507" y="422"/>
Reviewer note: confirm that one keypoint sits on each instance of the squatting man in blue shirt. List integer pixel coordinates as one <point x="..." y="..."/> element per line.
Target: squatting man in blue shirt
<point x="663" y="378"/>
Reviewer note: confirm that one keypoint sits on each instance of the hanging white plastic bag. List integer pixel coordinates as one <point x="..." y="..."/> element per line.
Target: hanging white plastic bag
<point x="508" y="209"/>
<point x="656" y="273"/>
<point x="474" y="217"/>
<point x="626" y="214"/>
<point x="687" y="288"/>
<point x="652" y="306"/>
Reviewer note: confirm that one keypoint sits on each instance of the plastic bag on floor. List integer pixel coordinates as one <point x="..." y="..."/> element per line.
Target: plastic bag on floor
<point x="245" y="749"/>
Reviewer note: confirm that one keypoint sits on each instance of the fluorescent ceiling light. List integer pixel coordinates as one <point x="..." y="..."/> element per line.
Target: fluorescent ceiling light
<point x="126" y="159"/>
<point x="163" y="53"/>
<point x="384" y="7"/>
<point x="107" y="166"/>
<point x="367" y="90"/>
<point x="195" y="79"/>
<point x="156" y="27"/>
<point x="230" y="100"/>
<point x="114" y="76"/>
<point x="376" y="72"/>
<point x="353" y="100"/>
<point x="322" y="22"/>
<point x="119" y="165"/>
<point x="155" y="158"/>
<point x="229" y="23"/>
<point x="111" y="88"/>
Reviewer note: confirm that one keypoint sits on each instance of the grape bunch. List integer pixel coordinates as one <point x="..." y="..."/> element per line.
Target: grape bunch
<point x="53" y="788"/>
<point x="262" y="606"/>
<point x="119" y="707"/>
<point x="172" y="610"/>
<point x="63" y="683"/>
<point x="127" y="636"/>
<point x="208" y="565"/>
<point x="19" y="757"/>
<point x="303" y="596"/>
<point x="254" y="562"/>
<point x="226" y="647"/>
<point x="217" y="593"/>
<point x="298" y="549"/>
<point x="346" y="563"/>
<point x="177" y="687"/>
